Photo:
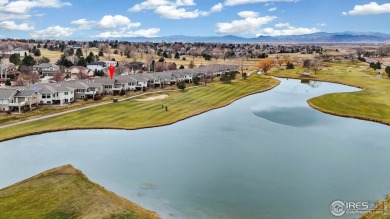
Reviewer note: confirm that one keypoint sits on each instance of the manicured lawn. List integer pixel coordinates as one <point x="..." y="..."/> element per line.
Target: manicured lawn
<point x="133" y="114"/>
<point x="65" y="192"/>
<point x="372" y="103"/>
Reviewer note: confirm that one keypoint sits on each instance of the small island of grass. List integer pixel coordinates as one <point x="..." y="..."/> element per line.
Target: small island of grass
<point x="65" y="192"/>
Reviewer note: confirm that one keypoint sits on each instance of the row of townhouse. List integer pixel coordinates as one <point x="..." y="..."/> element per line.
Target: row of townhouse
<point x="25" y="98"/>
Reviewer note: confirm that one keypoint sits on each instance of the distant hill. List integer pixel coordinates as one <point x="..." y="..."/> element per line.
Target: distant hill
<point x="65" y="192"/>
<point x="320" y="37"/>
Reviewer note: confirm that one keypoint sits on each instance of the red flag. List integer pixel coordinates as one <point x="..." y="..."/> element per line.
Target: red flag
<point x="111" y="69"/>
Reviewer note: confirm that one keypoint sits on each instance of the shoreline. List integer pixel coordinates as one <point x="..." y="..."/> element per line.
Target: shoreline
<point x="142" y="127"/>
<point x="312" y="105"/>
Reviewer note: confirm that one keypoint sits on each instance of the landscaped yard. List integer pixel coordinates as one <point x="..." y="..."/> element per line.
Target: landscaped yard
<point x="372" y="103"/>
<point x="134" y="114"/>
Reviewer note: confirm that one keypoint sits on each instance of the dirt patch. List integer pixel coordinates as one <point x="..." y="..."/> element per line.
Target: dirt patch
<point x="159" y="97"/>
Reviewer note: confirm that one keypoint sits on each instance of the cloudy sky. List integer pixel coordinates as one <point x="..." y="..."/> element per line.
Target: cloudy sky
<point x="88" y="19"/>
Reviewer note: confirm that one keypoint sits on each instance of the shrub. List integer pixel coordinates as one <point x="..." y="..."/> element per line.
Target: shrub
<point x="290" y="65"/>
<point x="196" y="80"/>
<point x="181" y="85"/>
<point x="387" y="70"/>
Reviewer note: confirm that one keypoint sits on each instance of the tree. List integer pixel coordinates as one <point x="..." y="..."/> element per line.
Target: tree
<point x="82" y="76"/>
<point x="149" y="60"/>
<point x="226" y="78"/>
<point x="44" y="60"/>
<point x="29" y="61"/>
<point x="101" y="53"/>
<point x="307" y="64"/>
<point x="387" y="70"/>
<point x="39" y="46"/>
<point x="191" y="65"/>
<point x="79" y="53"/>
<point x="181" y="67"/>
<point x="181" y="85"/>
<point x="14" y="58"/>
<point x="8" y="82"/>
<point x="34" y="78"/>
<point x="171" y="66"/>
<point x="290" y="65"/>
<point x="378" y="65"/>
<point x="280" y="61"/>
<point x="265" y="65"/>
<point x="57" y="76"/>
<point x="196" y="80"/>
<point x="177" y="55"/>
<point x="63" y="61"/>
<point x="316" y="65"/>
<point x="82" y="62"/>
<point x="37" y="53"/>
<point x="20" y="82"/>
<point x="159" y="67"/>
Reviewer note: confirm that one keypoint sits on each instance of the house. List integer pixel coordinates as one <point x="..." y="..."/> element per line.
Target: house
<point x="22" y="52"/>
<point x="83" y="89"/>
<point x="96" y="66"/>
<point x="135" y="66"/>
<point x="74" y="71"/>
<point x="110" y="63"/>
<point x="54" y="93"/>
<point x="45" y="69"/>
<point x="18" y="99"/>
<point x="6" y="98"/>
<point x="107" y="84"/>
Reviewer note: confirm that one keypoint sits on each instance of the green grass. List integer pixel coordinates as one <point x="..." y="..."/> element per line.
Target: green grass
<point x="372" y="103"/>
<point x="65" y="192"/>
<point x="134" y="114"/>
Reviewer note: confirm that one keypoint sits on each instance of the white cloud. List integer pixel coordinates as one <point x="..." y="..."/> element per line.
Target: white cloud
<point x="273" y="9"/>
<point x="152" y="32"/>
<point x="106" y="22"/>
<point x="174" y="9"/>
<point x="24" y="6"/>
<point x="83" y="24"/>
<point x="111" y="26"/>
<point x="321" y="24"/>
<point x="247" y="14"/>
<point x="6" y="16"/>
<point x="112" y="22"/>
<point x="172" y="12"/>
<point x="246" y="26"/>
<point x="217" y="8"/>
<point x="243" y="2"/>
<point x="370" y="8"/>
<point x="11" y="25"/>
<point x="286" y="29"/>
<point x="53" y="32"/>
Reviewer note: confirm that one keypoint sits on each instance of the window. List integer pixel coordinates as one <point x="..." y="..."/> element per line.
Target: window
<point x="66" y="93"/>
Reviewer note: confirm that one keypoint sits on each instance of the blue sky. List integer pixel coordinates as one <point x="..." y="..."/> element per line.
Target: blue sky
<point x="89" y="19"/>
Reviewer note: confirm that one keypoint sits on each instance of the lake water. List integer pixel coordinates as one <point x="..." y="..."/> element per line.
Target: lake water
<point x="268" y="155"/>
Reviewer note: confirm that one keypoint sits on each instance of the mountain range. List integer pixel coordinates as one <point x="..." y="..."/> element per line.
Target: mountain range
<point x="320" y="37"/>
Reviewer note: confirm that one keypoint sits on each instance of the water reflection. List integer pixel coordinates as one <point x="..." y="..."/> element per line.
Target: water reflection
<point x="292" y="116"/>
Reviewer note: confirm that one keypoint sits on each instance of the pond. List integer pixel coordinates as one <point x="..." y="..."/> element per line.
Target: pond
<point x="268" y="155"/>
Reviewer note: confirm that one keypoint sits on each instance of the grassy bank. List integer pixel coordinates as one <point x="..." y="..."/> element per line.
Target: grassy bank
<point x="372" y="103"/>
<point x="65" y="192"/>
<point x="134" y="114"/>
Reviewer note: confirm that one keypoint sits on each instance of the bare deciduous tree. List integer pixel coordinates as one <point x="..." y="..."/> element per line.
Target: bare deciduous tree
<point x="34" y="78"/>
<point x="57" y="76"/>
<point x="316" y="65"/>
